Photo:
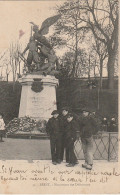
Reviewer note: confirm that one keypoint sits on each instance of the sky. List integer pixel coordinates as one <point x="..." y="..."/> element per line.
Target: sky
<point x="16" y="15"/>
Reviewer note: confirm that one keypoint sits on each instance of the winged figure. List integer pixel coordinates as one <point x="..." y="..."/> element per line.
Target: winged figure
<point x="46" y="24"/>
<point x="45" y="46"/>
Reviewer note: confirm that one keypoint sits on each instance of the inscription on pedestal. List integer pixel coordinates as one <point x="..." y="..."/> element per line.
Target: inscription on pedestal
<point x="38" y="104"/>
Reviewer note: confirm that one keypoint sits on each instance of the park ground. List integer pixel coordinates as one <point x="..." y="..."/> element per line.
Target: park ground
<point x="24" y="149"/>
<point x="33" y="149"/>
<point x="34" y="154"/>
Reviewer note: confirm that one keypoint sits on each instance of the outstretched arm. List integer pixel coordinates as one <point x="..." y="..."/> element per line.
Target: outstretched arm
<point x="25" y="49"/>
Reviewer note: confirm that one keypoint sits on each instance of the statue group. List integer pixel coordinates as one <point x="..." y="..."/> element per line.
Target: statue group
<point x="41" y="56"/>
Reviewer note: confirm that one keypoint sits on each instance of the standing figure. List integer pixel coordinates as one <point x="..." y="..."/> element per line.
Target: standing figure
<point x="53" y="129"/>
<point x="2" y="128"/>
<point x="88" y="129"/>
<point x="105" y="124"/>
<point x="96" y="116"/>
<point x="33" y="54"/>
<point x="113" y="125"/>
<point x="72" y="128"/>
<point x="63" y="123"/>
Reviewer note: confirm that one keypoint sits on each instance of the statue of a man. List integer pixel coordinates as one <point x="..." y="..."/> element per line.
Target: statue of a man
<point x="33" y="55"/>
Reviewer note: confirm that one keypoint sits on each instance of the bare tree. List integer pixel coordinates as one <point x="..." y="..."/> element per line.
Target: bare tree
<point x="2" y="60"/>
<point x="102" y="53"/>
<point x="66" y="30"/>
<point x="14" y="60"/>
<point x="7" y="68"/>
<point x="99" y="17"/>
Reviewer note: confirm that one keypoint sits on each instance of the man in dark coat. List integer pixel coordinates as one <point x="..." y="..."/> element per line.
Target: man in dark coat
<point x="96" y="116"/>
<point x="105" y="124"/>
<point x="53" y="129"/>
<point x="113" y="127"/>
<point x="88" y="129"/>
<point x="63" y="124"/>
<point x="71" y="129"/>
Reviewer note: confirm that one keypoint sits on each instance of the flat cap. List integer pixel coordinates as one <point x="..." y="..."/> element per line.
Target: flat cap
<point x="86" y="110"/>
<point x="69" y="115"/>
<point x="54" y="112"/>
<point x="65" y="108"/>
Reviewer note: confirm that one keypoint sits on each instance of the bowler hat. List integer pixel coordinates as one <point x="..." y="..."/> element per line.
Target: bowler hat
<point x="54" y="112"/>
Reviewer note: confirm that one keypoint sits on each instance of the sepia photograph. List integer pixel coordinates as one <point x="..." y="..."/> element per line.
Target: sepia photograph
<point x="59" y="97"/>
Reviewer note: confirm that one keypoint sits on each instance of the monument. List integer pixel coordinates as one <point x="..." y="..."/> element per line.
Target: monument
<point x="41" y="102"/>
<point x="38" y="96"/>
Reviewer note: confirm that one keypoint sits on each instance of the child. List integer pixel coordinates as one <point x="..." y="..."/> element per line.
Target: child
<point x="53" y="129"/>
<point x="63" y="124"/>
<point x="2" y="127"/>
<point x="88" y="129"/>
<point x="71" y="129"/>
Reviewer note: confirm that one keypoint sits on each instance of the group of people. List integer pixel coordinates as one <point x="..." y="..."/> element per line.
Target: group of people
<point x="62" y="128"/>
<point x="110" y="125"/>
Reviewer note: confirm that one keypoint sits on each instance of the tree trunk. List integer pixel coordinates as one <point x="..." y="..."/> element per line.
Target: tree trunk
<point x="89" y="68"/>
<point x="94" y="72"/>
<point x="19" y="67"/>
<point x="110" y="65"/>
<point x="13" y="74"/>
<point x="13" y="83"/>
<point x="112" y="51"/>
<point x="76" y="48"/>
<point x="101" y="72"/>
<point x="7" y="77"/>
<point x="76" y="53"/>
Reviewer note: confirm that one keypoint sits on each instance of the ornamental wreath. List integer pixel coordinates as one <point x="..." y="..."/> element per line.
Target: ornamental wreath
<point x="25" y="124"/>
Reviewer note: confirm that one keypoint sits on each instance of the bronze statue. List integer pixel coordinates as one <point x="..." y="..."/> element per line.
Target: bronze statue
<point x="46" y="50"/>
<point x="40" y="49"/>
<point x="33" y="54"/>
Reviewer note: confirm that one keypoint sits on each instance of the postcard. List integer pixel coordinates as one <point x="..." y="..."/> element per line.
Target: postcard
<point x="59" y="97"/>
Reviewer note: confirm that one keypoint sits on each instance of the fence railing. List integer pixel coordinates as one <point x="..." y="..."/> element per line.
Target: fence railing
<point x="105" y="147"/>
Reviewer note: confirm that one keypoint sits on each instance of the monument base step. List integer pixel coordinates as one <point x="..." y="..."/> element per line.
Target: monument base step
<point x="28" y="136"/>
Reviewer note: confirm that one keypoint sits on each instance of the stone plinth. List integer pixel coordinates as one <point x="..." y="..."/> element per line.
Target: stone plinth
<point x="38" y="105"/>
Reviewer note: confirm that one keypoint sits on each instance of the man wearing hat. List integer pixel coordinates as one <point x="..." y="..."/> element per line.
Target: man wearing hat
<point x="71" y="129"/>
<point x="63" y="124"/>
<point x="88" y="129"/>
<point x="53" y="129"/>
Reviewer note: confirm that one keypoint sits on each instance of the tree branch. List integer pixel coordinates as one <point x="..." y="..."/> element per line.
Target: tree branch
<point x="98" y="26"/>
<point x="100" y="9"/>
<point x="96" y="36"/>
<point x="70" y="47"/>
<point x="111" y="15"/>
<point x="83" y="27"/>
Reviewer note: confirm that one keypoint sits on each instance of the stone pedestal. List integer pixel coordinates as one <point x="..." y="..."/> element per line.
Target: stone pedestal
<point x="38" y="105"/>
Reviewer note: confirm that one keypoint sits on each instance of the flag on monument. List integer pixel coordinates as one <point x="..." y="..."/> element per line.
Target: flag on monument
<point x="21" y="33"/>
